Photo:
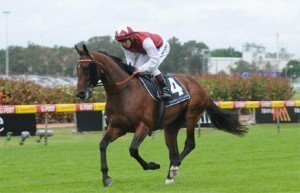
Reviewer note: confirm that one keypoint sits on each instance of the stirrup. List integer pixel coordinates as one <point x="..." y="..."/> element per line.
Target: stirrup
<point x="166" y="94"/>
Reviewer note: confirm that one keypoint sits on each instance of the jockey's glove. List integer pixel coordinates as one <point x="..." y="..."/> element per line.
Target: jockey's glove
<point x="137" y="72"/>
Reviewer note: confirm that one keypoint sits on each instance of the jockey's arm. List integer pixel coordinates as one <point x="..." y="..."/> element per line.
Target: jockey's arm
<point x="130" y="57"/>
<point x="153" y="54"/>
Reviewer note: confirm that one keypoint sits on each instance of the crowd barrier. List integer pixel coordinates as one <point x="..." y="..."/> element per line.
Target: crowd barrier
<point x="47" y="108"/>
<point x="91" y="117"/>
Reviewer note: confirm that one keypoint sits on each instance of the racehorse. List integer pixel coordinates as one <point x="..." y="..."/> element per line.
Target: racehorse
<point x="130" y="108"/>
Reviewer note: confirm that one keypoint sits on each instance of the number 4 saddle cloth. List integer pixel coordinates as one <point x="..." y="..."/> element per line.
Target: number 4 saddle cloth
<point x="179" y="93"/>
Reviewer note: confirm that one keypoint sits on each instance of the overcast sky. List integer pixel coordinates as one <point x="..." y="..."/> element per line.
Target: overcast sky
<point x="217" y="23"/>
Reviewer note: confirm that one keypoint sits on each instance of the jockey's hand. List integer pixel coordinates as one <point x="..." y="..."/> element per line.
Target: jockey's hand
<point x="137" y="72"/>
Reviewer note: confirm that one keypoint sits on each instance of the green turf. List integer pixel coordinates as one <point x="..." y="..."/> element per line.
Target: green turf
<point x="262" y="161"/>
<point x="296" y="95"/>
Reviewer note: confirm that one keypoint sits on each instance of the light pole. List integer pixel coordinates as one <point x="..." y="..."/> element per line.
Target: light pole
<point x="7" y="54"/>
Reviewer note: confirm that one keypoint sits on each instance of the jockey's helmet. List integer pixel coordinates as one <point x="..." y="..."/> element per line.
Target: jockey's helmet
<point x="123" y="33"/>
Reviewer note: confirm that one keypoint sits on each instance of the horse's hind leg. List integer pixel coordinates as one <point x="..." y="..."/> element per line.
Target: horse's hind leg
<point x="171" y="142"/>
<point x="171" y="133"/>
<point x="191" y="120"/>
<point x="139" y="135"/>
<point x="189" y="144"/>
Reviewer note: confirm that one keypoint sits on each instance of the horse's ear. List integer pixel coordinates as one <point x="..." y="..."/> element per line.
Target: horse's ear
<point x="79" y="51"/>
<point x="85" y="49"/>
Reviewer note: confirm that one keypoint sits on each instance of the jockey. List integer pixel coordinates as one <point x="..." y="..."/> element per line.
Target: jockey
<point x="152" y="49"/>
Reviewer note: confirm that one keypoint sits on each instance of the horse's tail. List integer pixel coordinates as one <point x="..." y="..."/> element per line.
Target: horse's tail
<point x="225" y="120"/>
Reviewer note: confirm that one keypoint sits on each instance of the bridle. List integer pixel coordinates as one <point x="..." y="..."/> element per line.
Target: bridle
<point x="92" y="60"/>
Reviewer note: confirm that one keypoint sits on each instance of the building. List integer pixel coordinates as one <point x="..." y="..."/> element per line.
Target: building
<point x="220" y="64"/>
<point x="253" y="54"/>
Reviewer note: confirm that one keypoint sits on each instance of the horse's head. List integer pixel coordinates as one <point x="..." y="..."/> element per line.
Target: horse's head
<point x="88" y="73"/>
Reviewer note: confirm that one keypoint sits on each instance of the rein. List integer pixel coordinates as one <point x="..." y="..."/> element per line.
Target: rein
<point x="126" y="80"/>
<point x="118" y="83"/>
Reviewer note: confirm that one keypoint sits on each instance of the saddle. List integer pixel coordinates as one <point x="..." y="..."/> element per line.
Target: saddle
<point x="178" y="94"/>
<point x="178" y="91"/>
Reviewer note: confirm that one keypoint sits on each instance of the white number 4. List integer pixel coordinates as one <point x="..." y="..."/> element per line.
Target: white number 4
<point x="175" y="87"/>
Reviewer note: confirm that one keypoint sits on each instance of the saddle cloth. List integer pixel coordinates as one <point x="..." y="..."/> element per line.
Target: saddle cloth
<point x="178" y="91"/>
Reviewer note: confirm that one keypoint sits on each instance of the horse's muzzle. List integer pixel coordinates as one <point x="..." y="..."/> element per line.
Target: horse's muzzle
<point x="81" y="95"/>
<point x="85" y="95"/>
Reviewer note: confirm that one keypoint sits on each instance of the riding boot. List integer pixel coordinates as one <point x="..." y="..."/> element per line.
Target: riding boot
<point x="166" y="93"/>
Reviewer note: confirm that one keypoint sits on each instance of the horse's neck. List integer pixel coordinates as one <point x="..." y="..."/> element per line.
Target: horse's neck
<point x="111" y="69"/>
<point x="112" y="74"/>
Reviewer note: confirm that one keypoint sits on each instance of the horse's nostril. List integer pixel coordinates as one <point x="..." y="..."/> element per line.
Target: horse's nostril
<point x="80" y="95"/>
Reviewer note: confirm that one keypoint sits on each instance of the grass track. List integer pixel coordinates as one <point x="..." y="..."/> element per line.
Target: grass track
<point x="262" y="161"/>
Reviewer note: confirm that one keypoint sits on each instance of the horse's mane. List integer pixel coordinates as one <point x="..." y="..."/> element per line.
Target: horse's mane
<point x="127" y="68"/>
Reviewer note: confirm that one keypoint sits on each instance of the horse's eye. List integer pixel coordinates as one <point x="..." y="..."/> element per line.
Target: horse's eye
<point x="86" y="70"/>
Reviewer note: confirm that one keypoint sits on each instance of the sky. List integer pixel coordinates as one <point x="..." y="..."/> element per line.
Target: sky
<point x="217" y="23"/>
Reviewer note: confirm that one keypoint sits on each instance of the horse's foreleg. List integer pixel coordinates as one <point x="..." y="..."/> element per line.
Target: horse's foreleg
<point x="111" y="135"/>
<point x="139" y="135"/>
<point x="104" y="169"/>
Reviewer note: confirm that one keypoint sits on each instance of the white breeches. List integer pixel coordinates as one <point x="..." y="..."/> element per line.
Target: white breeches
<point x="153" y="69"/>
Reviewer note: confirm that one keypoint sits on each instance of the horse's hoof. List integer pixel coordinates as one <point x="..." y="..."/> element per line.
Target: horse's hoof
<point x="174" y="171"/>
<point x="154" y="166"/>
<point x="107" y="181"/>
<point x="169" y="181"/>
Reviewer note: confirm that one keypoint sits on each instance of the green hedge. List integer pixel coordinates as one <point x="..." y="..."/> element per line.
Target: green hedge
<point x="236" y="88"/>
<point x="23" y="93"/>
<point x="26" y="92"/>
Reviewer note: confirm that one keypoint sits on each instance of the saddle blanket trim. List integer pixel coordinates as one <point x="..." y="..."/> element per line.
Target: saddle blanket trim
<point x="179" y="92"/>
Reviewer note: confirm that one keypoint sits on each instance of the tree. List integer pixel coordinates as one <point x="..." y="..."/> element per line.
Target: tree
<point x="292" y="69"/>
<point x="17" y="63"/>
<point x="268" y="67"/>
<point x="175" y="60"/>
<point x="242" y="66"/>
<point x="229" y="52"/>
<point x="194" y="55"/>
<point x="2" y="61"/>
<point x="185" y="57"/>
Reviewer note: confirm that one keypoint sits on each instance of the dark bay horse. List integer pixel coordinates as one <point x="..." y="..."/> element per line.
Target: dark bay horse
<point x="130" y="108"/>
